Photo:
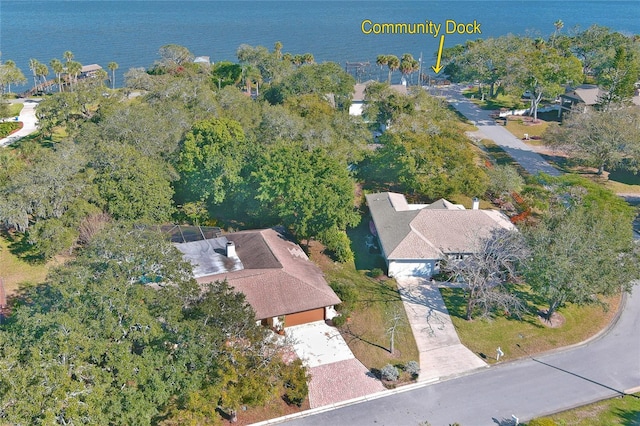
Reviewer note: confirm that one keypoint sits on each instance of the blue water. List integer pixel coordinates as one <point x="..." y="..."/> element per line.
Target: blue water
<point x="130" y="32"/>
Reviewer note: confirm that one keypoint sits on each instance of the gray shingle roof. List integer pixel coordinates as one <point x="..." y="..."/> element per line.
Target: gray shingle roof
<point x="431" y="232"/>
<point x="589" y="94"/>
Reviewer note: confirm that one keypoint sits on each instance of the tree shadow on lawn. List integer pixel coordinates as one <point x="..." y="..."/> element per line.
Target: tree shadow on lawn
<point x="627" y="417"/>
<point x="456" y="303"/>
<point x="625" y="176"/>
<point x="366" y="259"/>
<point x="380" y="292"/>
<point x="351" y="335"/>
<point x="20" y="247"/>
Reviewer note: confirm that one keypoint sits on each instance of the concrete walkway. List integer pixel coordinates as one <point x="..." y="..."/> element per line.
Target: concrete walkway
<point x="28" y="118"/>
<point x="442" y="355"/>
<point x="530" y="160"/>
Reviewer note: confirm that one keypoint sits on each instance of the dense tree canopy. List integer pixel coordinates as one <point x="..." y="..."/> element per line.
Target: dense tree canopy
<point x="210" y="160"/>
<point x="583" y="247"/>
<point x="423" y="151"/>
<point x="308" y="191"/>
<point x="96" y="345"/>
<point x="605" y="139"/>
<point x="327" y="79"/>
<point x="543" y="68"/>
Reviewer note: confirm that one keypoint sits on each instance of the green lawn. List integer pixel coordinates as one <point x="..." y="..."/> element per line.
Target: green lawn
<point x="623" y="411"/>
<point x="520" y="127"/>
<point x="16" y="270"/>
<point x="529" y="335"/>
<point x="14" y="109"/>
<point x="500" y="101"/>
<point x="366" y="332"/>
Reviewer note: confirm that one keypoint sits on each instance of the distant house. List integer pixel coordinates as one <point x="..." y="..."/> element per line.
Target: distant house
<point x="358" y="97"/>
<point x="275" y="275"/>
<point x="88" y="71"/>
<point x="414" y="238"/>
<point x="581" y="98"/>
<point x="203" y="60"/>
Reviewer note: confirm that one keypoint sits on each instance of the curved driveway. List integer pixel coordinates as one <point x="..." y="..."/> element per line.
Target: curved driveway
<point x="602" y="368"/>
<point x="29" y="121"/>
<point x="531" y="161"/>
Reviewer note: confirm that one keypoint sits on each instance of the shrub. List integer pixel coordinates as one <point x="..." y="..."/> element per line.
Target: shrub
<point x="390" y="373"/>
<point x="413" y="368"/>
<point x="339" y="321"/>
<point x="376" y="272"/>
<point x="7" y="127"/>
<point x="338" y="243"/>
<point x="347" y="293"/>
<point x="295" y="383"/>
<point x="51" y="237"/>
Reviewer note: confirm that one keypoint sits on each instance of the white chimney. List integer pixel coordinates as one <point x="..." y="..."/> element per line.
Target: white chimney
<point x="476" y="203"/>
<point x="231" y="249"/>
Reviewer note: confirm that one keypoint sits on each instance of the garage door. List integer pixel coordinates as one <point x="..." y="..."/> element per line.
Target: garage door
<point x="399" y="268"/>
<point x="304" y="317"/>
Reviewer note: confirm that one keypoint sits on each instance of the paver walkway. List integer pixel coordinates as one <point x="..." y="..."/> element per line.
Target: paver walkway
<point x="336" y="375"/>
<point x="29" y="122"/>
<point x="441" y="353"/>
<point x="530" y="160"/>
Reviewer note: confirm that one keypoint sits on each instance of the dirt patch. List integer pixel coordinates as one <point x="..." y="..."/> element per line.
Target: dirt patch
<point x="557" y="320"/>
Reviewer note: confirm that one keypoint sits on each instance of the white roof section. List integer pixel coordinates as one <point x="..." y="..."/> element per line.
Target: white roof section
<point x="208" y="257"/>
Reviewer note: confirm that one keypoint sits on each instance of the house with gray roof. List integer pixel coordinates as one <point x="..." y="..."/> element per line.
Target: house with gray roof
<point x="580" y="99"/>
<point x="274" y="273"/>
<point x="414" y="238"/>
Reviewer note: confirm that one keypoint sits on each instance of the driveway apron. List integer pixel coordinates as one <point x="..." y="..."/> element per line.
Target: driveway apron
<point x="336" y="375"/>
<point x="441" y="353"/>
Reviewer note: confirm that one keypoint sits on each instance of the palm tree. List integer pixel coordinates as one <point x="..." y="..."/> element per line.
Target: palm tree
<point x="33" y="66"/>
<point x="308" y="58"/>
<point x="408" y="65"/>
<point x="277" y="49"/>
<point x="381" y="60"/>
<point x="73" y="69"/>
<point x="42" y="71"/>
<point x="252" y="75"/>
<point x="393" y="63"/>
<point x="68" y="55"/>
<point x="559" y="26"/>
<point x="58" y="69"/>
<point x="12" y="74"/>
<point x="113" y="66"/>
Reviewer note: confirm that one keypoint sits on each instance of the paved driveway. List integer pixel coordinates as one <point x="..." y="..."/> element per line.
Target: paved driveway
<point x="336" y="375"/>
<point x="530" y="160"/>
<point x="29" y="122"/>
<point x="606" y="367"/>
<point x="441" y="353"/>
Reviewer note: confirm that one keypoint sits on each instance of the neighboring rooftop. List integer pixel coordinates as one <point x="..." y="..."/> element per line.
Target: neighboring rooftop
<point x="272" y="271"/>
<point x="430" y="231"/>
<point x="588" y="94"/>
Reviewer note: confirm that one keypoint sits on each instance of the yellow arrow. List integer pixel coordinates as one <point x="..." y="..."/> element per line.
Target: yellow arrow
<point x="438" y="68"/>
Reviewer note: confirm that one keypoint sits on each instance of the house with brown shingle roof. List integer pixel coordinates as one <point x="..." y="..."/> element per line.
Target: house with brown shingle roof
<point x="414" y="238"/>
<point x="274" y="273"/>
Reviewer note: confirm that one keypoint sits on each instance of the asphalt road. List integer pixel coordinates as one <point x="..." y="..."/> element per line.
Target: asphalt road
<point x="530" y="160"/>
<point x="605" y="367"/>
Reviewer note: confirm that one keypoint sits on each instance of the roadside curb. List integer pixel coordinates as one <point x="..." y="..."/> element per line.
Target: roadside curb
<point x="347" y="402"/>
